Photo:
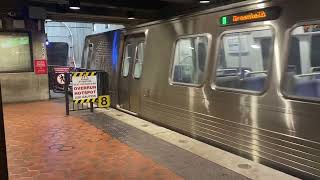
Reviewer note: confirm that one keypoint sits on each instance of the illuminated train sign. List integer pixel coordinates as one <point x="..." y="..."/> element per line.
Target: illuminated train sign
<point x="271" y="13"/>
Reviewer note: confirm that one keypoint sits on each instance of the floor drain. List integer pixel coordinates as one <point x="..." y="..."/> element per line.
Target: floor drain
<point x="183" y="141"/>
<point x="244" y="166"/>
<point x="145" y="125"/>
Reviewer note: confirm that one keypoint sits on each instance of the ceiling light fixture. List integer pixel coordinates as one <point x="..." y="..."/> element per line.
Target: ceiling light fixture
<point x="204" y="1"/>
<point x="74" y="4"/>
<point x="131" y="16"/>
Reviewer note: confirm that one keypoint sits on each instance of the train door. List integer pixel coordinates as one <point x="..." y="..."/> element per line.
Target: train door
<point x="131" y="69"/>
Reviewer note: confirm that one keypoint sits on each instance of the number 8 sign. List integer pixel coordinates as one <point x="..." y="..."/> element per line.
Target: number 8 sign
<point x="104" y="101"/>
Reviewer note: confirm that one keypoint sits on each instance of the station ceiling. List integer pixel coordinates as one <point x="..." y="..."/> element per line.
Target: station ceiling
<point x="118" y="11"/>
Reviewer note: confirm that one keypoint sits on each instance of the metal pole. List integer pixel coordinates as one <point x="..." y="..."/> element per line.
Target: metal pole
<point x="3" y="150"/>
<point x="72" y="43"/>
<point x="66" y="92"/>
<point x="49" y="81"/>
<point x="91" y="106"/>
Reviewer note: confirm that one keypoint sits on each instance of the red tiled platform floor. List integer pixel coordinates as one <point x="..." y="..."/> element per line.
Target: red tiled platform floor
<point x="43" y="144"/>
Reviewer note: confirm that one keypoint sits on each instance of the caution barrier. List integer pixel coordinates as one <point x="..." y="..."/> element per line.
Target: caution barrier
<point x="84" y="87"/>
<point x="82" y="101"/>
<point x="81" y="74"/>
<point x="103" y="101"/>
<point x="89" y="90"/>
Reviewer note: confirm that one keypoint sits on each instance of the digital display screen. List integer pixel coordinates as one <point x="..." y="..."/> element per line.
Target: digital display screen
<point x="14" y="42"/>
<point x="15" y="52"/>
<point x="251" y="16"/>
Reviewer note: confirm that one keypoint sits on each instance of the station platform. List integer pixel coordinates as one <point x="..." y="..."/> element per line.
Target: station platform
<point x="44" y="144"/>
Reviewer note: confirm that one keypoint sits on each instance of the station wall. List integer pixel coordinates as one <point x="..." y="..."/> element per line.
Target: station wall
<point x="24" y="85"/>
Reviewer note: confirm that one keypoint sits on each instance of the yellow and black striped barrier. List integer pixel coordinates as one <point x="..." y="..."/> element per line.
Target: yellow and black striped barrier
<point x="81" y="74"/>
<point x="103" y="101"/>
<point x="89" y="90"/>
<point x="82" y="101"/>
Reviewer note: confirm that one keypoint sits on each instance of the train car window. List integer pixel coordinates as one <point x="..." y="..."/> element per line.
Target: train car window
<point x="138" y="60"/>
<point x="127" y="58"/>
<point x="302" y="76"/>
<point x="189" y="60"/>
<point x="15" y="52"/>
<point x="244" y="60"/>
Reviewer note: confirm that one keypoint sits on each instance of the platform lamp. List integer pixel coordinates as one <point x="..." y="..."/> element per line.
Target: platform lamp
<point x="74" y="4"/>
<point x="204" y="1"/>
<point x="130" y="15"/>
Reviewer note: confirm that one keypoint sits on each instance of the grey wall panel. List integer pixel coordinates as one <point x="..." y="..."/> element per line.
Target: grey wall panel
<point x="24" y="87"/>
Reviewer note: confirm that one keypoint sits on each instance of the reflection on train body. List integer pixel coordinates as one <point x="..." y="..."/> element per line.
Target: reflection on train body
<point x="250" y="86"/>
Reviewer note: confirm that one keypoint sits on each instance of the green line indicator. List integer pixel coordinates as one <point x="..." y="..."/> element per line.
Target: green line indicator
<point x="224" y="20"/>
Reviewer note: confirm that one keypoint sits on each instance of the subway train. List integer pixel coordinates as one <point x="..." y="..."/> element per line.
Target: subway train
<point x="244" y="77"/>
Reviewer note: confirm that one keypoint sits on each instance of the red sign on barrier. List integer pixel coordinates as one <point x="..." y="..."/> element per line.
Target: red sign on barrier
<point x="61" y="70"/>
<point x="40" y="66"/>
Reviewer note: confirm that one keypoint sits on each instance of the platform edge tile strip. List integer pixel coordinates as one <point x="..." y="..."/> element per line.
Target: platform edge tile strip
<point x="211" y="153"/>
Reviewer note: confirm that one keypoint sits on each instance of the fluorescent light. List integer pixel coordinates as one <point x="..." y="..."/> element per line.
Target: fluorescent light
<point x="261" y="6"/>
<point x="48" y="20"/>
<point x="204" y="1"/>
<point x="130" y="16"/>
<point x="255" y="46"/>
<point x="74" y="8"/>
<point x="74" y="4"/>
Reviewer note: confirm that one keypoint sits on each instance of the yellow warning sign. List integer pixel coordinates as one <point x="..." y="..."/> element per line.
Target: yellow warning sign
<point x="104" y="101"/>
<point x="84" y="87"/>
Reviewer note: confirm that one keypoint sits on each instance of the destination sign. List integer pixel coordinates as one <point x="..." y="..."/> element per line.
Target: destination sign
<point x="270" y="13"/>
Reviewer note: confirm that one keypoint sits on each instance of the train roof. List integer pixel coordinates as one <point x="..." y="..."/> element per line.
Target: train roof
<point x="200" y="12"/>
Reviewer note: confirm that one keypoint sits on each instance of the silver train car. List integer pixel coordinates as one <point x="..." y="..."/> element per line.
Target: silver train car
<point x="244" y="77"/>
